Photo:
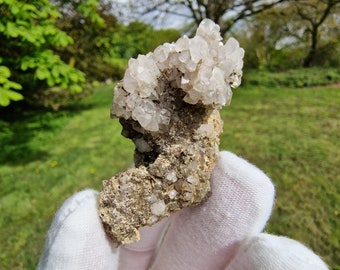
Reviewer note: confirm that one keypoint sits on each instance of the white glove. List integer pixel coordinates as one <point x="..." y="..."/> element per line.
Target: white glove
<point x="222" y="233"/>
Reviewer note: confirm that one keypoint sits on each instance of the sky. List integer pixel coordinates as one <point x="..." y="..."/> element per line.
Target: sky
<point x="167" y="21"/>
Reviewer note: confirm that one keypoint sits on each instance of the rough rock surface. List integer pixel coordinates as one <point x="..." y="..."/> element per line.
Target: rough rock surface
<point x="168" y="104"/>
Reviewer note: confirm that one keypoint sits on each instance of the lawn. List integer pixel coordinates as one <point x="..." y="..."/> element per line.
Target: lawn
<point x="292" y="134"/>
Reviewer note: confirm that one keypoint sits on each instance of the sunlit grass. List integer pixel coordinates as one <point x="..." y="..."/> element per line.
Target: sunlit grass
<point x="78" y="153"/>
<point x="292" y="134"/>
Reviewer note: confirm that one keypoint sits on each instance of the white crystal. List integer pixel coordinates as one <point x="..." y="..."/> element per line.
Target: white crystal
<point x="165" y="117"/>
<point x="187" y="196"/>
<point x="172" y="194"/>
<point x="142" y="146"/>
<point x="124" y="187"/>
<point x="129" y="83"/>
<point x="209" y="30"/>
<point x="184" y="57"/>
<point x="152" y="198"/>
<point x="171" y="176"/>
<point x="192" y="180"/>
<point x="162" y="53"/>
<point x="158" y="208"/>
<point x="131" y="101"/>
<point x="182" y="44"/>
<point x="205" y="129"/>
<point x="152" y="220"/>
<point x="202" y="66"/>
<point x="198" y="48"/>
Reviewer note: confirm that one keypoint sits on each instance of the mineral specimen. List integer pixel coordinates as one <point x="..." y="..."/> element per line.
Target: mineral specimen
<point x="168" y="104"/>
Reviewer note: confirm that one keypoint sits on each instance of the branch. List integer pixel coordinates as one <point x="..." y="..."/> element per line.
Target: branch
<point x="197" y="14"/>
<point x="327" y="11"/>
<point x="248" y="11"/>
<point x="314" y="21"/>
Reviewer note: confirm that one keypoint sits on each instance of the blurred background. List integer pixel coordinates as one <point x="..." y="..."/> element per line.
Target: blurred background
<point x="60" y="60"/>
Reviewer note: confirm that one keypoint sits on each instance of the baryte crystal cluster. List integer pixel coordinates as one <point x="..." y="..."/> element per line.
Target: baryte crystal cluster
<point x="168" y="104"/>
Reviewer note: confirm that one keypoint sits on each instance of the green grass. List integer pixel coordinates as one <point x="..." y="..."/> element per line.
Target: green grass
<point x="292" y="78"/>
<point x="293" y="135"/>
<point x="45" y="163"/>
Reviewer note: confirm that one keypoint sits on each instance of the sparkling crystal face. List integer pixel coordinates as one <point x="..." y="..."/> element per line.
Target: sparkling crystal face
<point x="203" y="67"/>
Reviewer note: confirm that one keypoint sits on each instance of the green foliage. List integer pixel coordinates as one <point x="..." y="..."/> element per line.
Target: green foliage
<point x="292" y="135"/>
<point x="48" y="67"/>
<point x="286" y="58"/>
<point x="102" y="52"/>
<point x="295" y="78"/>
<point x="88" y="24"/>
<point x="328" y="54"/>
<point x="6" y="87"/>
<point x="52" y="47"/>
<point x="89" y="9"/>
<point x="89" y="51"/>
<point x="27" y="34"/>
<point x="130" y="41"/>
<point x="55" y="98"/>
<point x="140" y="38"/>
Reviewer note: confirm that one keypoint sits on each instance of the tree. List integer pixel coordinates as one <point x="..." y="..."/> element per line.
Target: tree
<point x="261" y="37"/>
<point x="280" y="38"/>
<point x="140" y="38"/>
<point x="223" y="12"/>
<point x="27" y="37"/>
<point x="91" y="26"/>
<point x="101" y="47"/>
<point x="312" y="15"/>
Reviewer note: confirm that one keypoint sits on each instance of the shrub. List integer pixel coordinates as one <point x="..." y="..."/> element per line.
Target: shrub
<point x="303" y="77"/>
<point x="55" y="98"/>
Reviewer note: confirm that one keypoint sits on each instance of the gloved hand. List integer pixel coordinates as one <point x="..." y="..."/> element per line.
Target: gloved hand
<point x="224" y="232"/>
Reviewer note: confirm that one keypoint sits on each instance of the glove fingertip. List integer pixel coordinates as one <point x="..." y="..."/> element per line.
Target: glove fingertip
<point x="250" y="186"/>
<point x="240" y="169"/>
<point x="265" y="251"/>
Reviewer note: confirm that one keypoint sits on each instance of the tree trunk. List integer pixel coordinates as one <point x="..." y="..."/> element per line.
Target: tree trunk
<point x="310" y="58"/>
